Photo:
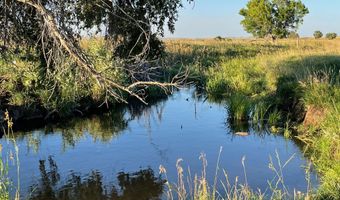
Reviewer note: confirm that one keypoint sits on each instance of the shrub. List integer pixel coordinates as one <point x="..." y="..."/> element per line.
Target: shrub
<point x="331" y="36"/>
<point x="219" y="38"/>
<point x="318" y="34"/>
<point x="293" y="35"/>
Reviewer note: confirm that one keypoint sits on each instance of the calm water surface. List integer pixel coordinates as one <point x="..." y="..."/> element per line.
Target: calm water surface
<point x="117" y="155"/>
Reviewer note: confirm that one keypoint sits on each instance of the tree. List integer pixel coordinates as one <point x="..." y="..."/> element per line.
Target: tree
<point x="331" y="36"/>
<point x="273" y="18"/>
<point x="318" y="34"/>
<point x="53" y="28"/>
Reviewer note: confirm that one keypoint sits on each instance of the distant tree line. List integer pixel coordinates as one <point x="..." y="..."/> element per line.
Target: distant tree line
<point x="319" y="34"/>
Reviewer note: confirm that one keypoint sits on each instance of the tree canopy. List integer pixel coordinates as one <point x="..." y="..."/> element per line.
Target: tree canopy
<point x="130" y="24"/>
<point x="273" y="18"/>
<point x="318" y="34"/>
<point x="51" y="30"/>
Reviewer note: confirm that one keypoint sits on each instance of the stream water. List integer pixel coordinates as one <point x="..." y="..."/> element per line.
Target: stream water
<point x="117" y="155"/>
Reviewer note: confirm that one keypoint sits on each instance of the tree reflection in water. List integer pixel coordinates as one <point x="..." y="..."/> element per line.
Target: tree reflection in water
<point x="139" y="185"/>
<point x="102" y="128"/>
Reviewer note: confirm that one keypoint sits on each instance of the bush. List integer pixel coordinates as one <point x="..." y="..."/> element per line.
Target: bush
<point x="293" y="35"/>
<point x="219" y="38"/>
<point x="331" y="36"/>
<point x="318" y="34"/>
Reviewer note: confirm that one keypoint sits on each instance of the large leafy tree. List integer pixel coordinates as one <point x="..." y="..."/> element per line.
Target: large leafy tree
<point x="273" y="18"/>
<point x="129" y="24"/>
<point x="53" y="29"/>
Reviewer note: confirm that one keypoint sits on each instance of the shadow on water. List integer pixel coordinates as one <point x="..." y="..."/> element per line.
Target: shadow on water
<point x="102" y="128"/>
<point x="142" y="184"/>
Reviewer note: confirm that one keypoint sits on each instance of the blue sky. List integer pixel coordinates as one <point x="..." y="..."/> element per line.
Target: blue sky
<point x="210" y="18"/>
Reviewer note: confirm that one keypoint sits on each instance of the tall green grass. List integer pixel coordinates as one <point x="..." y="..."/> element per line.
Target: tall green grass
<point x="11" y="156"/>
<point x="4" y="180"/>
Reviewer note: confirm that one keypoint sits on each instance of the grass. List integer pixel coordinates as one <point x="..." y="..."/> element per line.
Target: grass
<point x="4" y="180"/>
<point x="27" y="82"/>
<point x="12" y="156"/>
<point x="282" y="84"/>
<point x="198" y="187"/>
<point x="238" y="107"/>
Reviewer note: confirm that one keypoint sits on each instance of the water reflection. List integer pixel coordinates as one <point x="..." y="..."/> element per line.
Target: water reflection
<point x="139" y="185"/>
<point x="102" y="128"/>
<point x="143" y="137"/>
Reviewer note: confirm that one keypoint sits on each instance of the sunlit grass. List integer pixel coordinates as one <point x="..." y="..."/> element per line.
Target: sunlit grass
<point x="197" y="186"/>
<point x="11" y="159"/>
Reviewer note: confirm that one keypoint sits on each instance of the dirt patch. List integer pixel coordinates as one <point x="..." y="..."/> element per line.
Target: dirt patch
<point x="314" y="116"/>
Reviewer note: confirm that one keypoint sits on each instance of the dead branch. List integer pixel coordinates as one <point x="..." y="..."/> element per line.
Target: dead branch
<point x="77" y="54"/>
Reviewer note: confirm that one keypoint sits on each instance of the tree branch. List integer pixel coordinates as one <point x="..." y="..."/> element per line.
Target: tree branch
<point x="77" y="54"/>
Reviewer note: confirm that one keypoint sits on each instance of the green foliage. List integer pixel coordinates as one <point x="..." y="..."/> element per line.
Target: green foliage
<point x="272" y="18"/>
<point x="4" y="181"/>
<point x="63" y="91"/>
<point x="259" y="112"/>
<point x="238" y="75"/>
<point x="318" y="34"/>
<point x="274" y="117"/>
<point x="219" y="38"/>
<point x="127" y="24"/>
<point x="238" y="107"/>
<point x="331" y="36"/>
<point x="324" y="147"/>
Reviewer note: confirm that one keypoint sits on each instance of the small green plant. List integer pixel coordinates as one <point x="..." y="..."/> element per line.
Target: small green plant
<point x="274" y="117"/>
<point x="287" y="132"/>
<point x="238" y="107"/>
<point x="318" y="34"/>
<point x="4" y="180"/>
<point x="331" y="36"/>
<point x="259" y="112"/>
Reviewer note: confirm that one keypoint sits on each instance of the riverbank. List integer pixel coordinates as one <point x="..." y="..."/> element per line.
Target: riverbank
<point x="290" y="82"/>
<point x="35" y="92"/>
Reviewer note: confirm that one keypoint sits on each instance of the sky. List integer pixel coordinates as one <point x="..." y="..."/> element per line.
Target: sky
<point x="211" y="18"/>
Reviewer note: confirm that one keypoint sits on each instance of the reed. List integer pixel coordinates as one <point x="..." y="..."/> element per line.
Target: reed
<point x="198" y="187"/>
<point x="11" y="159"/>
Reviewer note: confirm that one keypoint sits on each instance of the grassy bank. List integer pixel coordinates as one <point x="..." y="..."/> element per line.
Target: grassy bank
<point x="289" y="83"/>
